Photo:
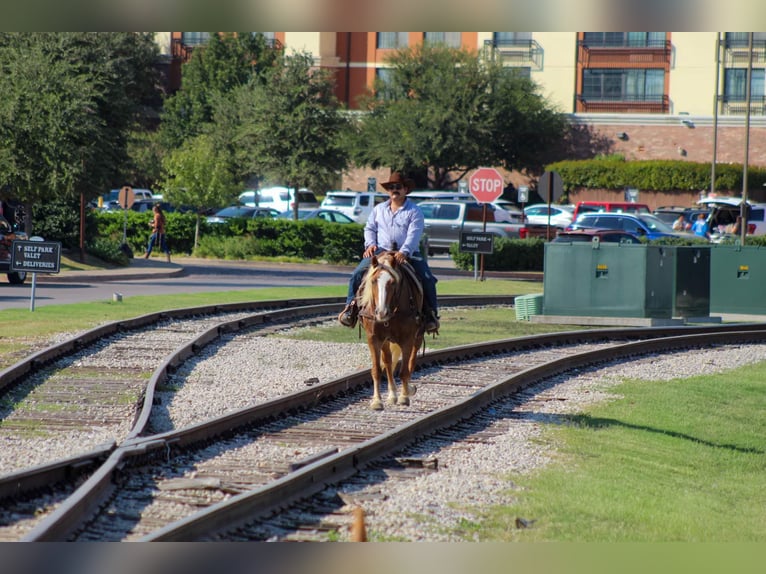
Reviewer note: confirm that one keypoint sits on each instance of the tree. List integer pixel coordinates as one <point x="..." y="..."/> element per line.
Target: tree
<point x="198" y="177"/>
<point x="443" y="112"/>
<point x="67" y="104"/>
<point x="291" y="127"/>
<point x="226" y="62"/>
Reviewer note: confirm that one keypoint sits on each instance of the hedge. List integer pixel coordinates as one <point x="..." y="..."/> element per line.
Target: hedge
<point x="653" y="175"/>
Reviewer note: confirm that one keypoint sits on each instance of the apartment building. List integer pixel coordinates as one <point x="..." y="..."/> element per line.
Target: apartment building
<point x="649" y="95"/>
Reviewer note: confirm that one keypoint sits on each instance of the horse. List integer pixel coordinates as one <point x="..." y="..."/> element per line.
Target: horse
<point x="390" y="310"/>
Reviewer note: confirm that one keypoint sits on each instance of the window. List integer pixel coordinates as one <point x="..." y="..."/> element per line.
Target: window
<point x="511" y="38"/>
<point x="624" y="85"/>
<point x="740" y="39"/>
<point x="392" y="40"/>
<point x="735" y="84"/>
<point x="628" y="39"/>
<point x="195" y="38"/>
<point x="451" y="39"/>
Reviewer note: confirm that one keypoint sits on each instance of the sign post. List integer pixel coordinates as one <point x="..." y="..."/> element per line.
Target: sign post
<point x="35" y="256"/>
<point x="486" y="185"/>
<point x="550" y="187"/>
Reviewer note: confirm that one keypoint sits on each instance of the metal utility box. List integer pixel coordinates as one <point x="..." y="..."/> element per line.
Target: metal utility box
<point x="625" y="280"/>
<point x="738" y="279"/>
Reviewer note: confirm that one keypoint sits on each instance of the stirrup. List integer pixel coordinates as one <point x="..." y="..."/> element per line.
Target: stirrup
<point x="431" y="322"/>
<point x="348" y="316"/>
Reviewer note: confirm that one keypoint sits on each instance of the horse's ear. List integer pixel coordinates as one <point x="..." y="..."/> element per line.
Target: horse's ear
<point x="374" y="261"/>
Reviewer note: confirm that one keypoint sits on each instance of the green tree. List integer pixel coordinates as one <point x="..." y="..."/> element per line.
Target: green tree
<point x="290" y="129"/>
<point x="227" y="61"/>
<point x="67" y="104"/>
<point x="198" y="177"/>
<point x="443" y="111"/>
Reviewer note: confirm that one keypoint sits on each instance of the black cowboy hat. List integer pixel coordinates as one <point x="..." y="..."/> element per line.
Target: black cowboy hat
<point x="398" y="177"/>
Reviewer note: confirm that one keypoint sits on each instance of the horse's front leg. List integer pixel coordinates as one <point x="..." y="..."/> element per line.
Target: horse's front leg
<point x="386" y="357"/>
<point x="409" y="354"/>
<point x="375" y="404"/>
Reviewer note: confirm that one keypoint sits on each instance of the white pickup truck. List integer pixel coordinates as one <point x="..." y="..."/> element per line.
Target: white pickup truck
<point x="446" y="220"/>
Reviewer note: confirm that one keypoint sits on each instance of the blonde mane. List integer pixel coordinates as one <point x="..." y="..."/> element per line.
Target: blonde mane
<point x="368" y="293"/>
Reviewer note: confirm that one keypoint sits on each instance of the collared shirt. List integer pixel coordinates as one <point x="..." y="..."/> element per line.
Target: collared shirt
<point x="403" y="227"/>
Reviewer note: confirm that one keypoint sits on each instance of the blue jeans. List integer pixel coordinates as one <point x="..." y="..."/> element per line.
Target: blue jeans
<point x="153" y="240"/>
<point x="421" y="268"/>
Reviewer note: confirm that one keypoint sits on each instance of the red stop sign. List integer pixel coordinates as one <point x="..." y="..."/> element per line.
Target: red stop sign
<point x="486" y="184"/>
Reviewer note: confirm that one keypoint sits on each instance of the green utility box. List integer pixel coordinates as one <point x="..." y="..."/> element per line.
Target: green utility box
<point x="738" y="279"/>
<point x="626" y="280"/>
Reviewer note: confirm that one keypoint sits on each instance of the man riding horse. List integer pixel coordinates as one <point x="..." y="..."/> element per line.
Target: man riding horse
<point x="394" y="224"/>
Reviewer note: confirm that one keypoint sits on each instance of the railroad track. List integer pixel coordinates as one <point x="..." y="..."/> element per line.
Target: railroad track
<point x="211" y="478"/>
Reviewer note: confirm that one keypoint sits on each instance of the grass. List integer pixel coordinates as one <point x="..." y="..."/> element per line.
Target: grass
<point x="663" y="462"/>
<point x="677" y="461"/>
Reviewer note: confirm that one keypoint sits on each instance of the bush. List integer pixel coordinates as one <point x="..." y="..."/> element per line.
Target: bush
<point x="108" y="250"/>
<point x="508" y="255"/>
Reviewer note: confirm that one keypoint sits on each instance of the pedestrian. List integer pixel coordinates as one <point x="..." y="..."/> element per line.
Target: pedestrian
<point x="679" y="224"/>
<point x="395" y="224"/>
<point x="158" y="233"/>
<point x="700" y="226"/>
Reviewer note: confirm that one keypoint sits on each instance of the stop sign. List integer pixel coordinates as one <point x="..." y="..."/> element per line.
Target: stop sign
<point x="486" y="184"/>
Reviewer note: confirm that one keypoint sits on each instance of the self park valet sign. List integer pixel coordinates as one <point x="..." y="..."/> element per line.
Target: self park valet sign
<point x="36" y="256"/>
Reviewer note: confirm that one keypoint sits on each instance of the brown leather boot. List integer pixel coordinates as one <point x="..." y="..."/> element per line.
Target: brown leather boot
<point x="349" y="315"/>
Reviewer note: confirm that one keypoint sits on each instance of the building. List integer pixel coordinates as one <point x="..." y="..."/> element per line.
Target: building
<point x="650" y="95"/>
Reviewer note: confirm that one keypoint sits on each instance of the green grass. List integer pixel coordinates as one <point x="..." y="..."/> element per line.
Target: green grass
<point x="666" y="462"/>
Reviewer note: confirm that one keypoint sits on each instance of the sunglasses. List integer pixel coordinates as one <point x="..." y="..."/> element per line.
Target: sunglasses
<point x="393" y="186"/>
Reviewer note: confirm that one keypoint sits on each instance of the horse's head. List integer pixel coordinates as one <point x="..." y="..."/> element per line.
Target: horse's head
<point x="381" y="287"/>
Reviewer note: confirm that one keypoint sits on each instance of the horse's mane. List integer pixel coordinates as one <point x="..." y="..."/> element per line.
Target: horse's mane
<point x="386" y="259"/>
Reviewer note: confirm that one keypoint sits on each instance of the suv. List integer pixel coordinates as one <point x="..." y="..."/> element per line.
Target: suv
<point x="725" y="210"/>
<point x="639" y="224"/>
<point x="356" y="204"/>
<point x="7" y="237"/>
<point x="608" y="207"/>
<point x="280" y="198"/>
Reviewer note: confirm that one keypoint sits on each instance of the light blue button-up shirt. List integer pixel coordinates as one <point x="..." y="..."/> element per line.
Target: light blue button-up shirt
<point x="404" y="227"/>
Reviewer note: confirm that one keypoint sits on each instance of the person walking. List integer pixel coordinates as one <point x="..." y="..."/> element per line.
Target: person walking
<point x="395" y="224"/>
<point x="158" y="233"/>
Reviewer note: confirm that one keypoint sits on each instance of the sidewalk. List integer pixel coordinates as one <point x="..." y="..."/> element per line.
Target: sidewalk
<point x="140" y="268"/>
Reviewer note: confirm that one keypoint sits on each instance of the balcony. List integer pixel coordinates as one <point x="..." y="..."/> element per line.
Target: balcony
<point x="738" y="106"/>
<point x="516" y="53"/>
<point x="619" y="55"/>
<point x="183" y="51"/>
<point x="623" y="105"/>
<point x="736" y="53"/>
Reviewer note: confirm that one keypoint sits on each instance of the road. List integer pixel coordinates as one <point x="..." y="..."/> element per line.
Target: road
<point x="197" y="276"/>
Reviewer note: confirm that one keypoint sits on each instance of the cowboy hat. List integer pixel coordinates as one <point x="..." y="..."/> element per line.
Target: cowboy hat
<point x="398" y="177"/>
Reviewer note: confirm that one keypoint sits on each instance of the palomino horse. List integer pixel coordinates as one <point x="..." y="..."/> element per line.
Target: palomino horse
<point x="391" y="312"/>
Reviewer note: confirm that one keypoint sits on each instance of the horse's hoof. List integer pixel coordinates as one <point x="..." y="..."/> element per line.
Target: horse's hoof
<point x="376" y="405"/>
<point x="411" y="389"/>
<point x="403" y="401"/>
<point x="391" y="399"/>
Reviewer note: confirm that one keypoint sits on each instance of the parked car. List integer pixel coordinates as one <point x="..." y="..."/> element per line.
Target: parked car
<point x="7" y="236"/>
<point x="330" y="215"/>
<point x="639" y="224"/>
<point x="355" y="204"/>
<point x="669" y="214"/>
<point x="241" y="211"/>
<point x="279" y="198"/>
<point x="724" y="212"/>
<point x="608" y="207"/>
<point x="604" y="236"/>
<point x="538" y="214"/>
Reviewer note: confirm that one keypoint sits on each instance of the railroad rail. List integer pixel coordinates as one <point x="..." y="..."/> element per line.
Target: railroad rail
<point x="87" y="508"/>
